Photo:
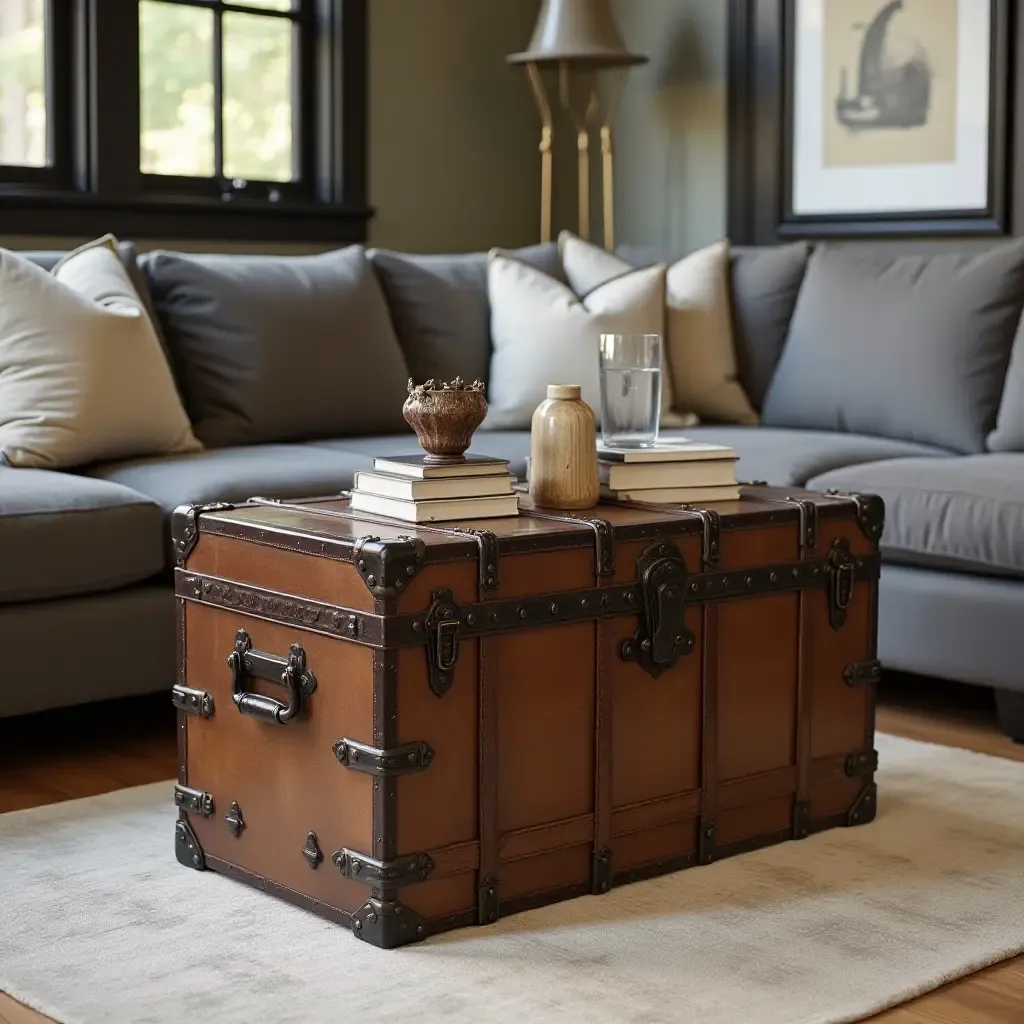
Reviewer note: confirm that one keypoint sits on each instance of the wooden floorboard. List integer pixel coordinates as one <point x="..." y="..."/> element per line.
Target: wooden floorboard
<point x="86" y="751"/>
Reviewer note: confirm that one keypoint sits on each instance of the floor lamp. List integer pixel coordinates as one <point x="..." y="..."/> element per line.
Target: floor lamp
<point x="578" y="39"/>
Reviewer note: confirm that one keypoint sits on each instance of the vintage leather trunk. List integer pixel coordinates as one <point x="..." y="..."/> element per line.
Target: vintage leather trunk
<point x="411" y="729"/>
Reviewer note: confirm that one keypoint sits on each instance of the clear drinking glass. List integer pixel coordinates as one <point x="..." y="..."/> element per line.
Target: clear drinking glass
<point x="630" y="390"/>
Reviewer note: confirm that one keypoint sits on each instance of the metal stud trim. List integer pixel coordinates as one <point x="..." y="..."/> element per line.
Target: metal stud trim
<point x="385" y="874"/>
<point x="410" y="757"/>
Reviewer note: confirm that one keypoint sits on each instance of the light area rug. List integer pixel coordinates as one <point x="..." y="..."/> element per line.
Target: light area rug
<point x="99" y="923"/>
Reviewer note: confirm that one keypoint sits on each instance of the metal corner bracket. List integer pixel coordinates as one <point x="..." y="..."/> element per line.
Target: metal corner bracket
<point x="388" y="924"/>
<point x="186" y="846"/>
<point x="386" y="764"/>
<point x="870" y="512"/>
<point x="383" y="874"/>
<point x="865" y="807"/>
<point x="387" y="566"/>
<point x="185" y="527"/>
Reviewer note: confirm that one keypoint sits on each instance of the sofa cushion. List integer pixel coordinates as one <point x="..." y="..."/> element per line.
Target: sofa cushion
<point x="439" y="308"/>
<point x="912" y="347"/>
<point x="279" y="348"/>
<point x="764" y="283"/>
<point x="789" y="458"/>
<point x="513" y="445"/>
<point x="62" y="534"/>
<point x="1008" y="435"/>
<point x="234" y="474"/>
<point x="964" y="514"/>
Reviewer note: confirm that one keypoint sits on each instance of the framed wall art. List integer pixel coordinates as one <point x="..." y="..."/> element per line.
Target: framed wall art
<point x="856" y="118"/>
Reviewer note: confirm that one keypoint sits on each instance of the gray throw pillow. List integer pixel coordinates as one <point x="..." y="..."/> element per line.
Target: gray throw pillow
<point x="907" y="347"/>
<point x="440" y="310"/>
<point x="764" y="283"/>
<point x="1009" y="433"/>
<point x="279" y="348"/>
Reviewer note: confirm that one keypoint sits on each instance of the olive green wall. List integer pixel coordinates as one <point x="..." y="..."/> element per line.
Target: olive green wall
<point x="671" y="129"/>
<point x="453" y="131"/>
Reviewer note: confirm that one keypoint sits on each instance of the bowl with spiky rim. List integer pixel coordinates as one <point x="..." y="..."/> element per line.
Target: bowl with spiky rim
<point x="444" y="415"/>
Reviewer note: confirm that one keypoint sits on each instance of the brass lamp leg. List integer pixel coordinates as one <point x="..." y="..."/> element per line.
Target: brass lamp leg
<point x="581" y="123"/>
<point x="608" y="184"/>
<point x="546" y="142"/>
<point x="608" y="159"/>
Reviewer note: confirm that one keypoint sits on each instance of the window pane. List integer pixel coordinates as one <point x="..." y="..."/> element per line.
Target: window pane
<point x="176" y="89"/>
<point x="22" y="83"/>
<point x="257" y="97"/>
<point x="270" y="5"/>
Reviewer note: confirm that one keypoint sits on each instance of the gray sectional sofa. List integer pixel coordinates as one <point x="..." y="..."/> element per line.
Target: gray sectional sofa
<point x="86" y="610"/>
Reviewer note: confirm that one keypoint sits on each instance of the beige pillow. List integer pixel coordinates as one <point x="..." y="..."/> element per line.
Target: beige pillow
<point x="543" y="334"/>
<point x="701" y="356"/>
<point x="82" y="375"/>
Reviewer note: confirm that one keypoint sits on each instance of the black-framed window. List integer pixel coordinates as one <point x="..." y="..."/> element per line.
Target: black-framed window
<point x="216" y="119"/>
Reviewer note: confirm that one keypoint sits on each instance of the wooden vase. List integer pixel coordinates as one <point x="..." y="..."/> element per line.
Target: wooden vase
<point x="563" y="451"/>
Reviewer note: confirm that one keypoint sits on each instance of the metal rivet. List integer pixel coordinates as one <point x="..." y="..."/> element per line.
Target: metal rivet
<point x="419" y="930"/>
<point x="631" y="597"/>
<point x="773" y="578"/>
<point x="372" y="580"/>
<point x="670" y="592"/>
<point x="553" y="608"/>
<point x="523" y="613"/>
<point x="584" y="603"/>
<point x="357" y="924"/>
<point x="371" y="917"/>
<point x="604" y="600"/>
<point x="493" y="616"/>
<point x="362" y="563"/>
<point x="470" y="619"/>
<point x="645" y="645"/>
<point x="795" y="574"/>
<point x="694" y="587"/>
<point x="725" y="581"/>
<point x="354" y="755"/>
<point x="412" y="759"/>
<point x="416" y="625"/>
<point x="443" y="680"/>
<point x="195" y="858"/>
<point x="491" y="568"/>
<point x="410" y="570"/>
<point x="749" y="581"/>
<point x="399" y="584"/>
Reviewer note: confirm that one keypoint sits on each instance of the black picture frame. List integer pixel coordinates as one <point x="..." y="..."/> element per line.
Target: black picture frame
<point x="760" y="112"/>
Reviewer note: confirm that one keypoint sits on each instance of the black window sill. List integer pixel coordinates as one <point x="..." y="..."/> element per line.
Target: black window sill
<point x="187" y="218"/>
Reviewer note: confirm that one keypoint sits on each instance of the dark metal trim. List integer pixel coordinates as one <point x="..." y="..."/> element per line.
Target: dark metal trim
<point x="604" y="537"/>
<point x="387" y="566"/>
<point x="235" y="821"/>
<point x="186" y="846"/>
<point x="386" y="874"/>
<point x="195" y="801"/>
<point x="388" y="924"/>
<point x="865" y="807"/>
<point x="870" y="512"/>
<point x="442" y="626"/>
<point x="488" y="617"/>
<point x="808" y="525"/>
<point x="533" y="900"/>
<point x="711" y="545"/>
<point x="311" y="851"/>
<point x="662" y="639"/>
<point x="348" y="623"/>
<point x="268" y="885"/>
<point x="185" y="527"/>
<point x="861" y="765"/>
<point x="863" y="673"/>
<point x="488" y="900"/>
<point x="706" y="843"/>
<point x="192" y="702"/>
<point x="666" y="866"/>
<point x="801" y="819"/>
<point x="403" y="760"/>
<point x="601" y="872"/>
<point x="842" y="569"/>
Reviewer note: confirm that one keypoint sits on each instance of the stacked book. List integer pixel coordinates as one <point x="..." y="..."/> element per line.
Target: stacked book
<point x="410" y="488"/>
<point x="670" y="472"/>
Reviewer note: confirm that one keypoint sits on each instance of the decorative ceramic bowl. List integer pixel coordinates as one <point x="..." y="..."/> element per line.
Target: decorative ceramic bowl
<point x="444" y="416"/>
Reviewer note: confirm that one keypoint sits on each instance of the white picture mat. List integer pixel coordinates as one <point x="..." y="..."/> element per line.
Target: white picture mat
<point x="962" y="185"/>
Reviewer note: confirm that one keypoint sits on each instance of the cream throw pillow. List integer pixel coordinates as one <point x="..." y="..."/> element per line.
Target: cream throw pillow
<point x="82" y="375"/>
<point x="698" y="322"/>
<point x="543" y="334"/>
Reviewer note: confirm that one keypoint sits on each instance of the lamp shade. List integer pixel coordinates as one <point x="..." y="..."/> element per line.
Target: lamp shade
<point x="577" y="32"/>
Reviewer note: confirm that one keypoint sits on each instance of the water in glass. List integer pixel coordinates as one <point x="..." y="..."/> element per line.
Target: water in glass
<point x="630" y="389"/>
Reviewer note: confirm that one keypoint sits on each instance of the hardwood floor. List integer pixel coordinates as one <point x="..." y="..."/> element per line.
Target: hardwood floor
<point x="81" y="752"/>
